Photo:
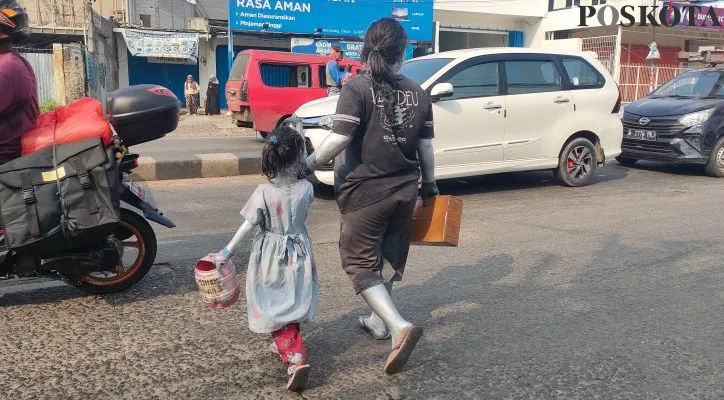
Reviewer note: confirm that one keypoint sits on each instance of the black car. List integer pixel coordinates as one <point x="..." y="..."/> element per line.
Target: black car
<point x="682" y="122"/>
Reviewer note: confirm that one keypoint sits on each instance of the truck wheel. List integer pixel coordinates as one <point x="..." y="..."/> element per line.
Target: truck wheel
<point x="715" y="166"/>
<point x="263" y="134"/>
<point x="577" y="164"/>
<point x="626" y="162"/>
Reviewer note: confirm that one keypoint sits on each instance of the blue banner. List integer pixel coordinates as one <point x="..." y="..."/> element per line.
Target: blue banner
<point x="352" y="50"/>
<point x="344" y="18"/>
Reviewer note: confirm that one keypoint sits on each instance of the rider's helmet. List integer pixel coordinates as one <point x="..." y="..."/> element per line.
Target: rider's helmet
<point x="14" y="24"/>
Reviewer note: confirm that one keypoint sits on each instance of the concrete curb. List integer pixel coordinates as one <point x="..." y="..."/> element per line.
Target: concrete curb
<point x="191" y="166"/>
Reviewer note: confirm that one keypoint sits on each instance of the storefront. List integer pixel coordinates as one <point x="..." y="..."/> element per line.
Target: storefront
<point x="157" y="57"/>
<point x="170" y="68"/>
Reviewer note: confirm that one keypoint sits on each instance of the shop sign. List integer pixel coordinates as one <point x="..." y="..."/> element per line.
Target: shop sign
<point x="162" y="45"/>
<point x="352" y="49"/>
<point x="170" y="60"/>
<point x="342" y="18"/>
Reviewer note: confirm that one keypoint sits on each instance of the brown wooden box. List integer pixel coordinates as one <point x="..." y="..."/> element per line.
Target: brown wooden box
<point x="438" y="224"/>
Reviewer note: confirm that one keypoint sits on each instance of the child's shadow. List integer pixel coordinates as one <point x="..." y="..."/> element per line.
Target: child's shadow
<point x="338" y="346"/>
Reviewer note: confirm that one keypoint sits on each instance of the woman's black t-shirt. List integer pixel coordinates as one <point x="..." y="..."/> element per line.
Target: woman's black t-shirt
<point x="382" y="156"/>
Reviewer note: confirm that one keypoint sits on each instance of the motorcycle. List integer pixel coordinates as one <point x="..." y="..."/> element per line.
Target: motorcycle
<point x="101" y="268"/>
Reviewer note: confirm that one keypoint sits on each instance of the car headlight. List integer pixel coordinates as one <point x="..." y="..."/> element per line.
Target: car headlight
<point x="326" y="123"/>
<point x="322" y="122"/>
<point x="697" y="118"/>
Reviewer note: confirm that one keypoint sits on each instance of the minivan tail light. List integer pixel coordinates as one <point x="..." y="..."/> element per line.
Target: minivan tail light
<point x="617" y="106"/>
<point x="245" y="91"/>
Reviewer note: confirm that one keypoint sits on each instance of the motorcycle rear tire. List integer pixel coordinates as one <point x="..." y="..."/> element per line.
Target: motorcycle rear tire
<point x="146" y="235"/>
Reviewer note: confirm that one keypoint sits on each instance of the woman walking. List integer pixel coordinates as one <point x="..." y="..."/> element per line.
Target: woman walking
<point x="211" y="106"/>
<point x="382" y="125"/>
<point x="191" y="91"/>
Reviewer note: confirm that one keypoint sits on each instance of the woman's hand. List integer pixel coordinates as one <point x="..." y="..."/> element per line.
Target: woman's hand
<point x="427" y="190"/>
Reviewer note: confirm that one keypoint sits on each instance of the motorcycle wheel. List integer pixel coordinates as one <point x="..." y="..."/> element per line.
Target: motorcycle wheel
<point x="136" y="234"/>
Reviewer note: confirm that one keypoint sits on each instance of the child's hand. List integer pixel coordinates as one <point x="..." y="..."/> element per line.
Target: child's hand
<point x="220" y="259"/>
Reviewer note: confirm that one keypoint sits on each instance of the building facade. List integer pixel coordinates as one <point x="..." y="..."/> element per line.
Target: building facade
<point x="454" y="25"/>
<point x="624" y="50"/>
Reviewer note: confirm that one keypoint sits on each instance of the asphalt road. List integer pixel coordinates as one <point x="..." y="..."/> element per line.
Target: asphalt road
<point x="612" y="291"/>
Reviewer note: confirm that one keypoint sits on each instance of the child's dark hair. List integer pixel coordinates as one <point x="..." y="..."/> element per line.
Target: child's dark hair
<point x="283" y="150"/>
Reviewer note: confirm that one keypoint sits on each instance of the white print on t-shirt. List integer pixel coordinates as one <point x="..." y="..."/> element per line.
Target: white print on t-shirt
<point x="393" y="139"/>
<point x="405" y="101"/>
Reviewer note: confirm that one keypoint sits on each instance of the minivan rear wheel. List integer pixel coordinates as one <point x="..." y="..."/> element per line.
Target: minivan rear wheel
<point x="715" y="166"/>
<point x="577" y="164"/>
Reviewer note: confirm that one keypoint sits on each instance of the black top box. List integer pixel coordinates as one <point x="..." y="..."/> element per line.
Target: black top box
<point x="143" y="113"/>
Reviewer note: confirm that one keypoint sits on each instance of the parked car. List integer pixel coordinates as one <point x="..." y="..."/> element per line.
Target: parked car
<point x="265" y="87"/>
<point x="681" y="122"/>
<point x="507" y="109"/>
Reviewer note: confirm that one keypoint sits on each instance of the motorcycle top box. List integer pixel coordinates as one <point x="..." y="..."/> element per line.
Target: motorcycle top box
<point x="143" y="113"/>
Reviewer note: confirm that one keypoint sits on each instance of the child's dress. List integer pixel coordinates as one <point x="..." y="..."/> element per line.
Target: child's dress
<point x="281" y="283"/>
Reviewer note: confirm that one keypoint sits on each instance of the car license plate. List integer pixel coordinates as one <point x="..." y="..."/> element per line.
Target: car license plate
<point x="137" y="190"/>
<point x="638" y="134"/>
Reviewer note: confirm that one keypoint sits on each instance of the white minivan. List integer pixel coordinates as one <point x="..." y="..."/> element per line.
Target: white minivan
<point x="508" y="109"/>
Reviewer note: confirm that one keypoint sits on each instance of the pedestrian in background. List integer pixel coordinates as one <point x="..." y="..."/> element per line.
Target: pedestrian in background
<point x="384" y="126"/>
<point x="212" y="97"/>
<point x="281" y="280"/>
<point x="191" y="91"/>
<point x="335" y="75"/>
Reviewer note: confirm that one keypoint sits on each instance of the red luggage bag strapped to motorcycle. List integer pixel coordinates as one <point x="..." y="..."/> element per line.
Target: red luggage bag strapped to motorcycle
<point x="82" y="119"/>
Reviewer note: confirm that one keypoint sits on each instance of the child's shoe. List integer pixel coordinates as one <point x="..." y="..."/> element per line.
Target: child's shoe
<point x="298" y="376"/>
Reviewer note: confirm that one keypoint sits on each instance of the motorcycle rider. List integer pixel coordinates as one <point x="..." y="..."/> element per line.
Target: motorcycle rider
<point x="19" y="100"/>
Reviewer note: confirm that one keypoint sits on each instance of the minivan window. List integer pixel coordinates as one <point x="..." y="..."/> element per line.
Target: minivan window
<point x="419" y="71"/>
<point x="286" y="75"/>
<point x="480" y="80"/>
<point x="532" y="77"/>
<point x="581" y="74"/>
<point x="692" y="84"/>
<point x="323" y="75"/>
<point x="239" y="68"/>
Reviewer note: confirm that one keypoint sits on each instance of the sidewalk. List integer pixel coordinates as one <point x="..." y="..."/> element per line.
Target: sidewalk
<point x="201" y="147"/>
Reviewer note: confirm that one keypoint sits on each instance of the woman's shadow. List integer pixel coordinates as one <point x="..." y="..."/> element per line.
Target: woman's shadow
<point x="452" y="296"/>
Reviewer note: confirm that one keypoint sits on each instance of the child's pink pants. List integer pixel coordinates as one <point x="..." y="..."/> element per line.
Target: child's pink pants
<point x="290" y="345"/>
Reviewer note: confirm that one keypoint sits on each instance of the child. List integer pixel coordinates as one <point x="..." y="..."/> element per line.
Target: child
<point x="281" y="283"/>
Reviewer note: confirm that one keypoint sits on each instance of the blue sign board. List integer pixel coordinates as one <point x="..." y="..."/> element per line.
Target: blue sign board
<point x="344" y="18"/>
<point x="352" y="49"/>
